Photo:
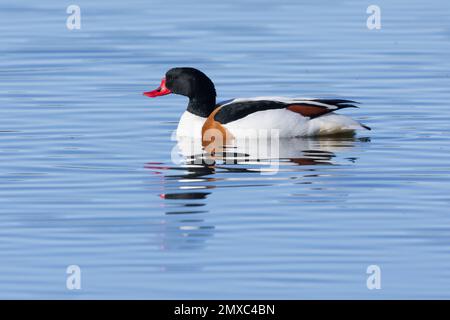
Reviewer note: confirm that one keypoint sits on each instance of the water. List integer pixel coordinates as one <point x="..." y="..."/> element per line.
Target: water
<point x="87" y="177"/>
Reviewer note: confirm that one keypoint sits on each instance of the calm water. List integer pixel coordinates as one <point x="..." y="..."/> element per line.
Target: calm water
<point x="86" y="175"/>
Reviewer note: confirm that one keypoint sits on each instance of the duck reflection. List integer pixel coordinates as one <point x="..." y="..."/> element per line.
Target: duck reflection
<point x="188" y="185"/>
<point x="300" y="151"/>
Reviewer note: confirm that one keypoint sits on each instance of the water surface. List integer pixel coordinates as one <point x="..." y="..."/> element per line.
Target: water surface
<point x="87" y="177"/>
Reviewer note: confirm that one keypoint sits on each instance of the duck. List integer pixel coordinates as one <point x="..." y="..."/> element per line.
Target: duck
<point x="239" y="117"/>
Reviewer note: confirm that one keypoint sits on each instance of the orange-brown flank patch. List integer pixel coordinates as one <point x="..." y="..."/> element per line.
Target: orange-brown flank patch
<point x="214" y="134"/>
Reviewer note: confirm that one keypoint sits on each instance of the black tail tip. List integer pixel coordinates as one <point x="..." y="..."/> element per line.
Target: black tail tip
<point x="366" y="127"/>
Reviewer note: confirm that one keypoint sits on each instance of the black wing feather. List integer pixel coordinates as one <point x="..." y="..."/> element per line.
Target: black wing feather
<point x="232" y="111"/>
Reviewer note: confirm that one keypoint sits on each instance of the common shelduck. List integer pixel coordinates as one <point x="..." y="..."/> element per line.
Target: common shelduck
<point x="292" y="117"/>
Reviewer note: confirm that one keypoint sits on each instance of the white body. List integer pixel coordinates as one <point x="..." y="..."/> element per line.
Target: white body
<point x="288" y="124"/>
<point x="291" y="124"/>
<point x="190" y="125"/>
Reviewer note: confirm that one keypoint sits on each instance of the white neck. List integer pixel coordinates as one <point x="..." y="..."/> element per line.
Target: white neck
<point x="190" y="125"/>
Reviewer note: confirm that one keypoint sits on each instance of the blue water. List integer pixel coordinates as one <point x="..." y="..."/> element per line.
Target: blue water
<point x="87" y="178"/>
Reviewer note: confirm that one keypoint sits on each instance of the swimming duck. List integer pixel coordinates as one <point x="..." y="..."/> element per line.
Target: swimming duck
<point x="291" y="117"/>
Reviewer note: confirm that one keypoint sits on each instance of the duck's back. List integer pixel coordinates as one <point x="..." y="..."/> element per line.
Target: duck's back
<point x="290" y="117"/>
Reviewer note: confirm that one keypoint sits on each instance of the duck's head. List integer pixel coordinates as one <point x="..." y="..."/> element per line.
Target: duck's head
<point x="191" y="83"/>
